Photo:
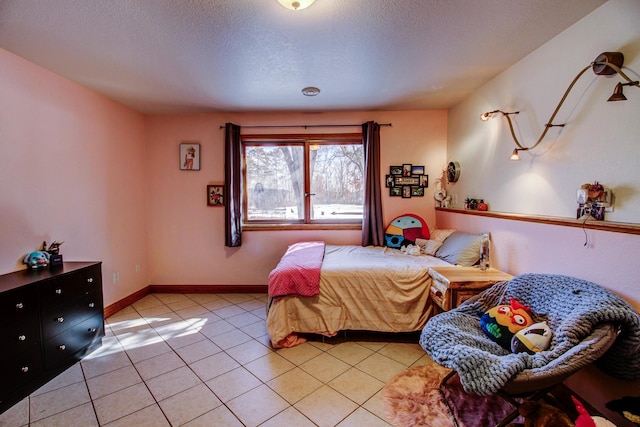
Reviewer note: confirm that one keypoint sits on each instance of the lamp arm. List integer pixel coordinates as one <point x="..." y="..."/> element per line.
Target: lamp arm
<point x="549" y="122"/>
<point x="619" y="71"/>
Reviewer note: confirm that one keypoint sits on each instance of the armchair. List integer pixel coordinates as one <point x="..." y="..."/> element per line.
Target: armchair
<point x="589" y="324"/>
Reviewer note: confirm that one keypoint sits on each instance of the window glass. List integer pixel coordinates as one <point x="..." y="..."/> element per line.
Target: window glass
<point x="303" y="181"/>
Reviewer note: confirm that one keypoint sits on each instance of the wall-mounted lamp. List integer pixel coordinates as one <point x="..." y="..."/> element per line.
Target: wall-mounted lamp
<point x="617" y="92"/>
<point x="296" y="4"/>
<point x="605" y="64"/>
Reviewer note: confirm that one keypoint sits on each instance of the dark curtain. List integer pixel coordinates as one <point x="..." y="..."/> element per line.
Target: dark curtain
<point x="232" y="186"/>
<point x="372" y="223"/>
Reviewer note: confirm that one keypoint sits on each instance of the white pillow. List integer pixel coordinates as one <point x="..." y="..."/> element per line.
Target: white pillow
<point x="441" y="235"/>
<point x="431" y="247"/>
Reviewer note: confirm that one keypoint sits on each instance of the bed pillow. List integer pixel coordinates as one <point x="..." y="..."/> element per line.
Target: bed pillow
<point x="441" y="235"/>
<point x="404" y="230"/>
<point x="461" y="248"/>
<point x="428" y="247"/>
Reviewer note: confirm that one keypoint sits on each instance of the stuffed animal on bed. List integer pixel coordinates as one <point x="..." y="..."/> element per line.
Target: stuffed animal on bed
<point x="500" y="323"/>
<point x="404" y="230"/>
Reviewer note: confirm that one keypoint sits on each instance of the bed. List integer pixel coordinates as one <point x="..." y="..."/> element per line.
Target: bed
<point x="323" y="289"/>
<point x="361" y="288"/>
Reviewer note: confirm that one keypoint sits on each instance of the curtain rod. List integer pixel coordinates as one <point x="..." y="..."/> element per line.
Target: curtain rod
<point x="303" y="126"/>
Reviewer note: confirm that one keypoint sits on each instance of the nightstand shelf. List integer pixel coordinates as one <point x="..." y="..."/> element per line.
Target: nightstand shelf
<point x="451" y="286"/>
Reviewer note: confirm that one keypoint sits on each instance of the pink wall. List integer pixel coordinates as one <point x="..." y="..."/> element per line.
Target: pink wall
<point x="72" y="169"/>
<point x="186" y="237"/>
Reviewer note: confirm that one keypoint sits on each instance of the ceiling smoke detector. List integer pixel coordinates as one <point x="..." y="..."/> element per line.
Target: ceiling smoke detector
<point x="296" y="4"/>
<point x="310" y="91"/>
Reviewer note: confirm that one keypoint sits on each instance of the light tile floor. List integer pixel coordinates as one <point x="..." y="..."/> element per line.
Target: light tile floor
<point x="205" y="360"/>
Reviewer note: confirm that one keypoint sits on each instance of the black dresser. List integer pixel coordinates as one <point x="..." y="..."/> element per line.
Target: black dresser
<point x="49" y="318"/>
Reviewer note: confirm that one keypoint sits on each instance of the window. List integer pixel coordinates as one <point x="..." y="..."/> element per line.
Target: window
<point x="310" y="179"/>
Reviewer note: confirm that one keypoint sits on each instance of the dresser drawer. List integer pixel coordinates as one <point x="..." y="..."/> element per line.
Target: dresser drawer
<point x="19" y="305"/>
<point x="58" y="319"/>
<point x="15" y="337"/>
<point x="440" y="294"/>
<point x="19" y="369"/>
<point x="65" y="345"/>
<point x="61" y="290"/>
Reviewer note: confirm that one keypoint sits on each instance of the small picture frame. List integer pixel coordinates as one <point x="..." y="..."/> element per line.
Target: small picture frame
<point x="424" y="181"/>
<point x="417" y="170"/>
<point x="215" y="195"/>
<point x="417" y="191"/>
<point x="189" y="156"/>
<point x="406" y="169"/>
<point x="390" y="181"/>
<point x="406" y="192"/>
<point x="395" y="170"/>
<point x="395" y="191"/>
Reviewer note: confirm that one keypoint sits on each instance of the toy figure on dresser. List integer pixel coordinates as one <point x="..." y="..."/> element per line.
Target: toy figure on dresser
<point x="37" y="259"/>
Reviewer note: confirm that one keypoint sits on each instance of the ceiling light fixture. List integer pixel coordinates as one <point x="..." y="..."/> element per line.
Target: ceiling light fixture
<point x="310" y="91"/>
<point x="605" y="64"/>
<point x="296" y="4"/>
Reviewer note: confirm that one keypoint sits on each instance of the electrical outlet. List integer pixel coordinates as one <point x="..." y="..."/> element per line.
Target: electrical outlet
<point x="116" y="278"/>
<point x="454" y="200"/>
<point x="137" y="268"/>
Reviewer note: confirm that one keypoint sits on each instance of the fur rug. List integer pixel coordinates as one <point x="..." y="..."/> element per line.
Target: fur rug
<point x="415" y="397"/>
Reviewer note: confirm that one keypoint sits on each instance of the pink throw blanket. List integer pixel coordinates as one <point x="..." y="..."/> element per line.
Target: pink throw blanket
<point x="298" y="272"/>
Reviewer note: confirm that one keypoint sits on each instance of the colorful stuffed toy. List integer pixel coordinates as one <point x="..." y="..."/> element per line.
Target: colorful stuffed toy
<point x="501" y="323"/>
<point x="37" y="259"/>
<point x="404" y="230"/>
<point x="532" y="339"/>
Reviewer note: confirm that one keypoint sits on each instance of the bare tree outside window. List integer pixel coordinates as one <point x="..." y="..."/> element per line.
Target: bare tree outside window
<point x="304" y="181"/>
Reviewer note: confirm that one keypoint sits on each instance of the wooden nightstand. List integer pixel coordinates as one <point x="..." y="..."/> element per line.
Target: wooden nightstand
<point x="453" y="285"/>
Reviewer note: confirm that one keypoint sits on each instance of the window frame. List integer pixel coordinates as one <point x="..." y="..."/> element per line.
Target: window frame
<point x="306" y="141"/>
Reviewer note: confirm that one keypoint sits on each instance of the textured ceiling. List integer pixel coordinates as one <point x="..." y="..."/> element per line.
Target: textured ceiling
<point x="179" y="56"/>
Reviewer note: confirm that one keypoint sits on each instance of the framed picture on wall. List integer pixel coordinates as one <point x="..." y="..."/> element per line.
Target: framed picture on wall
<point x="189" y="156"/>
<point x="215" y="195"/>
<point x="395" y="191"/>
<point x="395" y="170"/>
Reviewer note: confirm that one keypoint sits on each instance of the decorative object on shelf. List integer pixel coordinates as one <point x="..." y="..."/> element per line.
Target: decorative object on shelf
<point x="37" y="259"/>
<point x="406" y="181"/>
<point x="296" y="4"/>
<point x="593" y="200"/>
<point x="453" y="171"/>
<point x="215" y="195"/>
<point x="605" y="64"/>
<point x="189" y="156"/>
<point x="475" y="204"/>
<point x="440" y="197"/>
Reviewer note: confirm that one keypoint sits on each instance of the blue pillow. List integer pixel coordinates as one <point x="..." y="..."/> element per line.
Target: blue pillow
<point x="461" y="248"/>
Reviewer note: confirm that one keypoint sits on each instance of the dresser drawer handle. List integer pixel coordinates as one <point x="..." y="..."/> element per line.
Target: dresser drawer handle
<point x="58" y="291"/>
<point x="62" y="347"/>
<point x="91" y="305"/>
<point x="19" y="305"/>
<point x="25" y="369"/>
<point x="92" y="330"/>
<point x="21" y="337"/>
<point x="90" y="280"/>
<point x="60" y="319"/>
<point x="438" y="294"/>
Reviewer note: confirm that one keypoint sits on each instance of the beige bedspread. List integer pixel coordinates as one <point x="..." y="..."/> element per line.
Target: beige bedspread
<point x="361" y="288"/>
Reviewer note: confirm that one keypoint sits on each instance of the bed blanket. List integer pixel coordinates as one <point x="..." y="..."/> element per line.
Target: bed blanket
<point x="572" y="307"/>
<point x="298" y="272"/>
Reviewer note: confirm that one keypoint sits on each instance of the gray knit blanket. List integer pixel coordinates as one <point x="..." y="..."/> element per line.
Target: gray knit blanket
<point x="572" y="307"/>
